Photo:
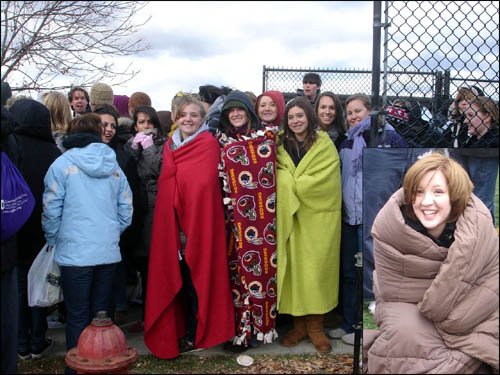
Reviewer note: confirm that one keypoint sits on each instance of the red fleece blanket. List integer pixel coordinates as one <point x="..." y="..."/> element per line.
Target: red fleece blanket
<point x="189" y="187"/>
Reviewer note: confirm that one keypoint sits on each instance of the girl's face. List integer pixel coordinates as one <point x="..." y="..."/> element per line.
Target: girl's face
<point x="237" y="117"/>
<point x="189" y="120"/>
<point x="432" y="202"/>
<point x="356" y="112"/>
<point x="297" y="122"/>
<point x="143" y="122"/>
<point x="478" y="122"/>
<point x="108" y="127"/>
<point x="326" y="111"/>
<point x="267" y="110"/>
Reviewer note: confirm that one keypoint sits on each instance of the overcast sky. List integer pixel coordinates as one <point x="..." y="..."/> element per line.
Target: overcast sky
<point x="227" y="43"/>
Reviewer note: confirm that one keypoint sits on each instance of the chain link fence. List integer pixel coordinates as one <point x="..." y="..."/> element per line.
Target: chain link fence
<point x="456" y="42"/>
<point x="431" y="49"/>
<point x="343" y="82"/>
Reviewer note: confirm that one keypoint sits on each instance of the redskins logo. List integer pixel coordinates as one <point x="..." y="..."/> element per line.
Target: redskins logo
<point x="233" y="272"/>
<point x="266" y="175"/>
<point x="271" y="287"/>
<point x="238" y="154"/>
<point x="237" y="298"/>
<point x="246" y="207"/>
<point x="272" y="311"/>
<point x="246" y="180"/>
<point x="264" y="149"/>
<point x="258" y="313"/>
<point x="251" y="262"/>
<point x="270" y="232"/>
<point x="252" y="236"/>
<point x="255" y="289"/>
<point x="273" y="261"/>
<point x="271" y="202"/>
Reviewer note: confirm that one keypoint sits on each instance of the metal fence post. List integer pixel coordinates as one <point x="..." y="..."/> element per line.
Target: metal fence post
<point x="438" y="92"/>
<point x="263" y="78"/>
<point x="377" y="24"/>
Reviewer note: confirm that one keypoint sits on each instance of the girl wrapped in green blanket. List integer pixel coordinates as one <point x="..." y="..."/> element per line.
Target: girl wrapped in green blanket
<point x="308" y="217"/>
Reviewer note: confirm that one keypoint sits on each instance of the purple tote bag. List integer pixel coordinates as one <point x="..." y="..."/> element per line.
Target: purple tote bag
<point x="17" y="201"/>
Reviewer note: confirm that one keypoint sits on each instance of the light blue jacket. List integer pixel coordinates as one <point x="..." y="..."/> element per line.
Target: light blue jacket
<point x="87" y="204"/>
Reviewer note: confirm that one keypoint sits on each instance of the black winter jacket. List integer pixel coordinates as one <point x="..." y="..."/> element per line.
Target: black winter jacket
<point x="9" y="146"/>
<point x="38" y="149"/>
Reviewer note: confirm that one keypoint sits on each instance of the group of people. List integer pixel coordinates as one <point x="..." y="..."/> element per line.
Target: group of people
<point x="234" y="208"/>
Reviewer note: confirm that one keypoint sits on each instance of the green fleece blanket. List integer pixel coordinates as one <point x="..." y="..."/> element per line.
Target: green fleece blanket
<point x="308" y="204"/>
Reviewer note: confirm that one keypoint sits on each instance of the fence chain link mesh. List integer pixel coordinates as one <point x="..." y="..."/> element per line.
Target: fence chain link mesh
<point x="454" y="45"/>
<point x="431" y="50"/>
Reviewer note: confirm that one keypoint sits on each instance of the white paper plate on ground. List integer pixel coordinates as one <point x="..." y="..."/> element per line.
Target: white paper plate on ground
<point x="244" y="360"/>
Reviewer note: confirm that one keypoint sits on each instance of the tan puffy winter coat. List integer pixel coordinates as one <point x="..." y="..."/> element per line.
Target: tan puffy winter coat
<point x="437" y="308"/>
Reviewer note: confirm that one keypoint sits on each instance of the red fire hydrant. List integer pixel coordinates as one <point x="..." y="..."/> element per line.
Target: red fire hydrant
<point x="102" y="349"/>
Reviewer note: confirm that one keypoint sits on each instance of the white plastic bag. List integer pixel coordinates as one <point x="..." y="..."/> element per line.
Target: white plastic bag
<point x="44" y="280"/>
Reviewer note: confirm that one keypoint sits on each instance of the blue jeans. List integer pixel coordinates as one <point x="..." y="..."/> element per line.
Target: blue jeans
<point x="351" y="241"/>
<point x="86" y="291"/>
<point x="483" y="174"/>
<point x="383" y="173"/>
<point x="32" y="324"/>
<point x="10" y="315"/>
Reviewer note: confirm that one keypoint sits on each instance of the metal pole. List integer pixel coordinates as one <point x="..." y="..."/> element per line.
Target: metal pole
<point x="386" y="42"/>
<point x="358" y="325"/>
<point x="263" y="78"/>
<point x="377" y="24"/>
<point x="438" y="93"/>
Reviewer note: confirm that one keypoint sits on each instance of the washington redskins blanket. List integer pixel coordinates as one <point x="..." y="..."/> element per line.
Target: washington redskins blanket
<point x="188" y="188"/>
<point x="250" y="185"/>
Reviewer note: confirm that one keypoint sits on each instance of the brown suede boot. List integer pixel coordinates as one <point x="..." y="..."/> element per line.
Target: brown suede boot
<point x="314" y="326"/>
<point x="297" y="334"/>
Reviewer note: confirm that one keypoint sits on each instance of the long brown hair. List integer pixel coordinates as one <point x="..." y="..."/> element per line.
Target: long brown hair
<point x="288" y="138"/>
<point x="338" y="122"/>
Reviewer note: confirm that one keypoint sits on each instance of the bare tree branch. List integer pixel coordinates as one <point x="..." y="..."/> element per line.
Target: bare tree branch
<point x="44" y="40"/>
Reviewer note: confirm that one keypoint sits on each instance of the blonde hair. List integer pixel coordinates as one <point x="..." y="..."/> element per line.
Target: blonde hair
<point x="60" y="111"/>
<point x="180" y="102"/>
<point x="459" y="184"/>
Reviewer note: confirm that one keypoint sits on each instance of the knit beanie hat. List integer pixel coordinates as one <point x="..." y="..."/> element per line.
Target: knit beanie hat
<point x="121" y="104"/>
<point x="100" y="93"/>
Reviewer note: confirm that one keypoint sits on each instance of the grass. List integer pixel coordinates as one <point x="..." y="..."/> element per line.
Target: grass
<point x="218" y="364"/>
<point x="368" y="321"/>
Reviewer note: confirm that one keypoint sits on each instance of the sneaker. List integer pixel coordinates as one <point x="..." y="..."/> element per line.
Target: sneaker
<point x="186" y="346"/>
<point x="371" y="307"/>
<point x="336" y="333"/>
<point x="349" y="339"/>
<point x="136" y="327"/>
<point x="23" y="355"/>
<point x="48" y="343"/>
